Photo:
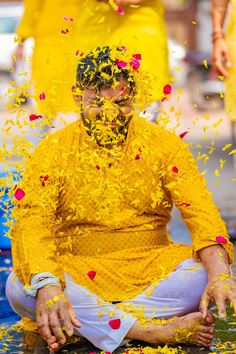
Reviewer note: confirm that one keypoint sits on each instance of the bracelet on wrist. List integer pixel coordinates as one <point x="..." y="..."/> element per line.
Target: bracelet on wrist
<point x="39" y="281"/>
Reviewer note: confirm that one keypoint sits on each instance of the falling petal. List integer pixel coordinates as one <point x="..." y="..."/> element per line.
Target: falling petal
<point x="42" y="96"/>
<point x="137" y="56"/>
<point x="98" y="167"/>
<point x="175" y="169"/>
<point x="205" y="63"/>
<point x="114" y="324"/>
<point x="91" y="274"/>
<point x="221" y="239"/>
<point x="232" y="152"/>
<point x="68" y="18"/>
<point x="19" y="194"/>
<point x="121" y="63"/>
<point x="120" y="11"/>
<point x="137" y="157"/>
<point x="34" y="117"/>
<point x="135" y="64"/>
<point x="182" y="135"/>
<point x="167" y="89"/>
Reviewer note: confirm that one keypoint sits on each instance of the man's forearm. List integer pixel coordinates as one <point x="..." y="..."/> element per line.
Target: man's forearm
<point x="216" y="261"/>
<point x="219" y="8"/>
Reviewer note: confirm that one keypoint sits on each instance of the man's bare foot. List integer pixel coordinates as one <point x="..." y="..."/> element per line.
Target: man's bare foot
<point x="188" y="329"/>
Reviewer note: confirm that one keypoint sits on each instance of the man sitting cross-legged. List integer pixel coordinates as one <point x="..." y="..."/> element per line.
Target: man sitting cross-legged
<point x="91" y="253"/>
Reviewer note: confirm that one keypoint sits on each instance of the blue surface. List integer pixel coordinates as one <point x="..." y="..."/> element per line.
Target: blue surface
<point x="6" y="313"/>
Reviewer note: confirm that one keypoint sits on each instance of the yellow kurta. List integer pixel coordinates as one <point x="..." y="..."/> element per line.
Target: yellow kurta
<point x="95" y="212"/>
<point x="141" y="29"/>
<point x="230" y="89"/>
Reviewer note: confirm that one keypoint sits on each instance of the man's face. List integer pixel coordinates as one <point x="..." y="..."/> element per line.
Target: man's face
<point x="107" y="112"/>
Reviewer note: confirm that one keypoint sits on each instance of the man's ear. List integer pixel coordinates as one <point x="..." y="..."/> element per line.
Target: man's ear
<point x="76" y="92"/>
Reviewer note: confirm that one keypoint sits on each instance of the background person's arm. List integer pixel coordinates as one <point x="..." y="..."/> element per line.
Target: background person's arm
<point x="220" y="56"/>
<point x="27" y="25"/>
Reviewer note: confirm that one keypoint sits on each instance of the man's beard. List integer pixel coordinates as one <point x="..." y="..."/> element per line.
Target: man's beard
<point x="108" y="132"/>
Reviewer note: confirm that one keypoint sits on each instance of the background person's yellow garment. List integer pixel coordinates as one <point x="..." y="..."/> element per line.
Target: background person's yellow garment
<point x="230" y="82"/>
<point x="141" y="29"/>
<point x="86" y="216"/>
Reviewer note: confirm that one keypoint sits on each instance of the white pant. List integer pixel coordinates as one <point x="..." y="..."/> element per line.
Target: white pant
<point x="178" y="294"/>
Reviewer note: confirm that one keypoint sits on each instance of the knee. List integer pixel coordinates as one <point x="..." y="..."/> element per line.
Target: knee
<point x="195" y="286"/>
<point x="12" y="289"/>
<point x="15" y="295"/>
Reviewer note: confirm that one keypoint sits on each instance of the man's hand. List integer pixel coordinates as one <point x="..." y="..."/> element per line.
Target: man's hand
<point x="54" y="314"/>
<point x="221" y="59"/>
<point x="218" y="291"/>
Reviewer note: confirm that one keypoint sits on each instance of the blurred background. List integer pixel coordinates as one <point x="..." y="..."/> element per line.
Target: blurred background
<point x="196" y="106"/>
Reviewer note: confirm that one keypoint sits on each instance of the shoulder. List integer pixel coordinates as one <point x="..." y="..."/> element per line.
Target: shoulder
<point x="62" y="139"/>
<point x="155" y="134"/>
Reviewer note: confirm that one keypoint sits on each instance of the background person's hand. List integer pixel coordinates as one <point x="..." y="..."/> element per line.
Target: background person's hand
<point x="219" y="290"/>
<point x="220" y="58"/>
<point x="54" y="314"/>
<point x="19" y="54"/>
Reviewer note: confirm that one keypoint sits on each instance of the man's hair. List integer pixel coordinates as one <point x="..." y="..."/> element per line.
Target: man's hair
<point x="102" y="68"/>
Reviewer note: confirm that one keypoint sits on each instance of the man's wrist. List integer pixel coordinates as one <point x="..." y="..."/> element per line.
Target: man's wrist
<point x="39" y="281"/>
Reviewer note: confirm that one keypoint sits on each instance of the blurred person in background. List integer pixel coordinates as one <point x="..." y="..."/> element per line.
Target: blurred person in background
<point x="64" y="30"/>
<point x="51" y="24"/>
<point x="224" y="53"/>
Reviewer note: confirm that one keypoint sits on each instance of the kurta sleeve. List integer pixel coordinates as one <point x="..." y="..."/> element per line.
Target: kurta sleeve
<point x="34" y="216"/>
<point x="29" y="19"/>
<point x="189" y="193"/>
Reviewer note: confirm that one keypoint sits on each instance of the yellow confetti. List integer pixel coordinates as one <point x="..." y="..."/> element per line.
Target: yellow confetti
<point x="205" y="63"/>
<point x="217" y="173"/>
<point x="232" y="152"/>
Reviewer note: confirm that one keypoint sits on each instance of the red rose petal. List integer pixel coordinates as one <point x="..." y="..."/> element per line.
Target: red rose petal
<point x="91" y="274"/>
<point x="167" y="89"/>
<point x="221" y="239"/>
<point x="42" y="96"/>
<point x="137" y="56"/>
<point x="135" y="64"/>
<point x="163" y="99"/>
<point x="114" y="324"/>
<point x="121" y="63"/>
<point x="98" y="167"/>
<point x="19" y="194"/>
<point x="137" y="157"/>
<point x="175" y="169"/>
<point x="34" y="117"/>
<point x="120" y="11"/>
<point x="182" y="135"/>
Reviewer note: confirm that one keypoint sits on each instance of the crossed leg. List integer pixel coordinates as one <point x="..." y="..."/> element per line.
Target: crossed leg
<point x="177" y="295"/>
